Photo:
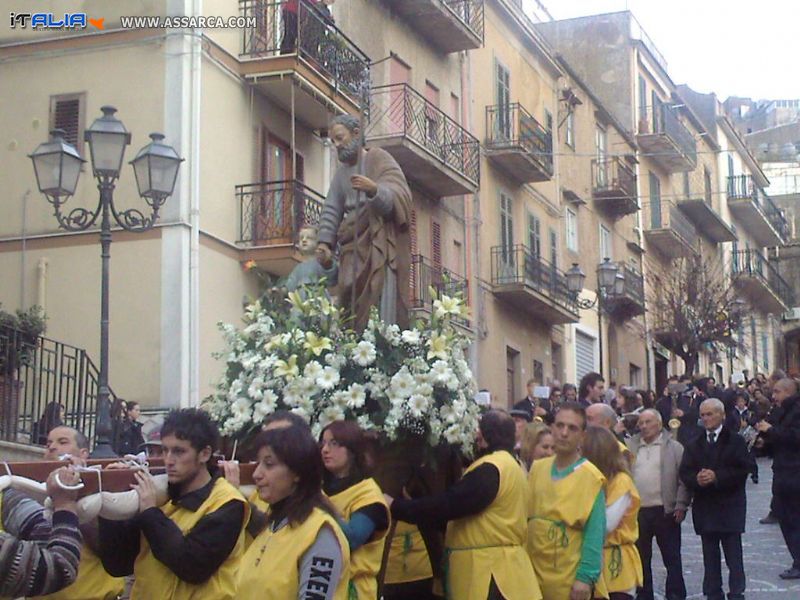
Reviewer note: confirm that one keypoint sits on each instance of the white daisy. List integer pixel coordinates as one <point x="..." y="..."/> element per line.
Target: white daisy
<point x="364" y="354"/>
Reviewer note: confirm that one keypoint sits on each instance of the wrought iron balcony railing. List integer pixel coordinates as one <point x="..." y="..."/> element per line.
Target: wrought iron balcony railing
<point x="310" y="34"/>
<point x="49" y="374"/>
<point x="425" y="275"/>
<point x="510" y="126"/>
<point x="273" y="212"/>
<point x="517" y="264"/>
<point x="744" y="186"/>
<point x="752" y="263"/>
<point x="613" y="176"/>
<point x="663" y="119"/>
<point x="399" y="110"/>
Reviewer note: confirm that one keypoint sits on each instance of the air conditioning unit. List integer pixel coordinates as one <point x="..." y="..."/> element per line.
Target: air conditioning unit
<point x="792" y="314"/>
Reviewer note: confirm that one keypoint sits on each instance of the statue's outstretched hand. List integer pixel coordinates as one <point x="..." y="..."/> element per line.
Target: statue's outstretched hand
<point x="364" y="184"/>
<point x="324" y="255"/>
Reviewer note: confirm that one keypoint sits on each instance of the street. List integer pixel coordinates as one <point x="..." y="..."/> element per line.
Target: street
<point x="765" y="553"/>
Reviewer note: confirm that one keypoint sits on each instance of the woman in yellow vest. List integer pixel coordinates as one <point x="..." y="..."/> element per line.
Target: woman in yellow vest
<point x="622" y="567"/>
<point x="302" y="551"/>
<point x="566" y="515"/>
<point x="359" y="500"/>
<point x="485" y="556"/>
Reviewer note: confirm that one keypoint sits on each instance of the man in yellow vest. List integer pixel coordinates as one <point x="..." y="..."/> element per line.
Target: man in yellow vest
<point x="191" y="546"/>
<point x="567" y="514"/>
<point x="485" y="540"/>
<point x="93" y="582"/>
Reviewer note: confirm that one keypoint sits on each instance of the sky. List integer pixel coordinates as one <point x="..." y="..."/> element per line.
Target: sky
<point x="733" y="48"/>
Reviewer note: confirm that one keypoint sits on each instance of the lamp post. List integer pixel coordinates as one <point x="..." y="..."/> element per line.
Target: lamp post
<point x="610" y="280"/>
<point x="57" y="167"/>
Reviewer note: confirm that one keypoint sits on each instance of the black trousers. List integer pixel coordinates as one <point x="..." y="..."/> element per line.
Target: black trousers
<point x="712" y="564"/>
<point x="654" y="523"/>
<point x="787" y="510"/>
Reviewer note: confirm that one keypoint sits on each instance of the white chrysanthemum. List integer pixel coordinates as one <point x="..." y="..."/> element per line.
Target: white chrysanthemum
<point x="312" y="370"/>
<point x="417" y="405"/>
<point x="328" y="379"/>
<point x="356" y="396"/>
<point x="364" y="354"/>
<point x="441" y="371"/>
<point x="410" y="336"/>
<point x="256" y="389"/>
<point x="402" y="383"/>
<point x="241" y="409"/>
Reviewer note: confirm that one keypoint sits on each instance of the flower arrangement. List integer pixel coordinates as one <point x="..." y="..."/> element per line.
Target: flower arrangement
<point x="296" y="353"/>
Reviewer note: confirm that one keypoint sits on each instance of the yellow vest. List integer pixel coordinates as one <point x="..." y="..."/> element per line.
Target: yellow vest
<point x="269" y="569"/>
<point x="557" y="513"/>
<point x="408" y="556"/>
<point x="155" y="580"/>
<point x="261" y="505"/>
<point x="491" y="544"/>
<point x="622" y="567"/>
<point x="365" y="562"/>
<point x="93" y="582"/>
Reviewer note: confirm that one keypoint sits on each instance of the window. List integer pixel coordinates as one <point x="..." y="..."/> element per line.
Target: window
<point x="643" y="128"/>
<point x="506" y="228"/>
<point x="535" y="235"/>
<point x="655" y="201"/>
<point x="635" y="374"/>
<point x="572" y="230"/>
<point x="553" y="248"/>
<point x="570" y="130"/>
<point x="67" y="113"/>
<point x="606" y="246"/>
<point x="503" y="97"/>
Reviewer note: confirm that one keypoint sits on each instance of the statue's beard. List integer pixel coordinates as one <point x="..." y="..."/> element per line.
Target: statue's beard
<point x="348" y="153"/>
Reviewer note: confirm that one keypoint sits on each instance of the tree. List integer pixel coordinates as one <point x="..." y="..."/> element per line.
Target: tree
<point x="694" y="307"/>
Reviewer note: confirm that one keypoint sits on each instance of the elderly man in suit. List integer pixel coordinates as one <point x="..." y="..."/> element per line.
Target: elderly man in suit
<point x="715" y="468"/>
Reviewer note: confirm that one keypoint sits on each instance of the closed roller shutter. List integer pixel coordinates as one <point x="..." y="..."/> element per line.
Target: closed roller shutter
<point x="584" y="354"/>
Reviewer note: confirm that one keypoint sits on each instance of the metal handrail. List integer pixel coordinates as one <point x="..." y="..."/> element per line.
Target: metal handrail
<point x="518" y="264"/>
<point x="273" y="212"/>
<point x="398" y="109"/>
<point x="469" y="12"/>
<point x="317" y="40"/>
<point x="50" y="372"/>
<point x="425" y="275"/>
<point x="752" y="263"/>
<point x="663" y="119"/>
<point x="611" y="174"/>
<point x="510" y="125"/>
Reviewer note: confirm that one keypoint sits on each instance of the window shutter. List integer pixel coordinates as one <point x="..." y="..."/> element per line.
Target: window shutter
<point x="436" y="245"/>
<point x="66" y="116"/>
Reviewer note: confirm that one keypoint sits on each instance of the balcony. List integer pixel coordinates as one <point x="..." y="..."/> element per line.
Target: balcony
<point x="517" y="144"/>
<point x="614" y="186"/>
<point x="322" y="74"/>
<point x="271" y="216"/>
<point x="669" y="231"/>
<point x="436" y="153"/>
<point x="761" y="282"/>
<point x="662" y="136"/>
<point x="630" y="303"/>
<point x="708" y="221"/>
<point x="450" y="25"/>
<point x="424" y="276"/>
<point x="532" y="285"/>
<point x="756" y="211"/>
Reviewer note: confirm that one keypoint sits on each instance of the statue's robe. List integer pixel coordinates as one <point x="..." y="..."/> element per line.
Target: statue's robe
<point x="377" y="229"/>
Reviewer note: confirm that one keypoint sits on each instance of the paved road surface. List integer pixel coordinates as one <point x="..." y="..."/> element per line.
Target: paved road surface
<point x="765" y="554"/>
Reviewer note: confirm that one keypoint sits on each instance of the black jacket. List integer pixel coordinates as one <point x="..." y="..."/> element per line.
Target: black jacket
<point x="783" y="442"/>
<point x="721" y="506"/>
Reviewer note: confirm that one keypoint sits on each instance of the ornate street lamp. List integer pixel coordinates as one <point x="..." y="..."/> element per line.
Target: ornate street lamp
<point x="610" y="281"/>
<point x="57" y="167"/>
